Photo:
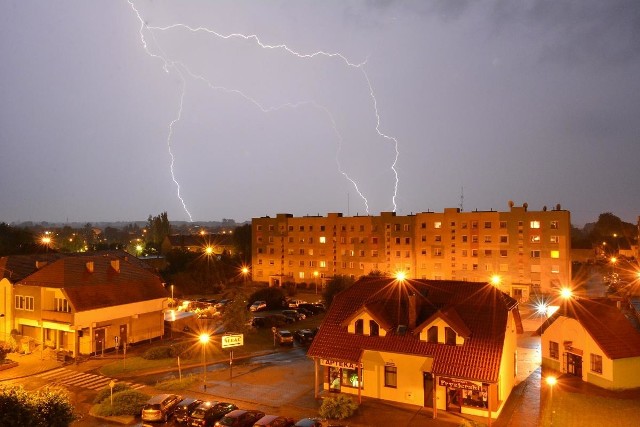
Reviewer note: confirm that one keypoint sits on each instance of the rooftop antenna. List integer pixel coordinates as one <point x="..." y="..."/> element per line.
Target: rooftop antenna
<point x="462" y="199"/>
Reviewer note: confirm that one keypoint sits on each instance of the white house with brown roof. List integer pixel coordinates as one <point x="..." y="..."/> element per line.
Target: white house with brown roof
<point x="82" y="304"/>
<point x="597" y="340"/>
<point x="445" y="345"/>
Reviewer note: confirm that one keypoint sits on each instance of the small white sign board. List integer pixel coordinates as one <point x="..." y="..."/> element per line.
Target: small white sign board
<point x="232" y="340"/>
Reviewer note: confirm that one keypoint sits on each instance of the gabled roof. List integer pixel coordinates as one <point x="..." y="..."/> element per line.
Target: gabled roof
<point x="104" y="286"/>
<point x="480" y="306"/>
<point x="17" y="267"/>
<point x="604" y="322"/>
<point x="451" y="317"/>
<point x="371" y="311"/>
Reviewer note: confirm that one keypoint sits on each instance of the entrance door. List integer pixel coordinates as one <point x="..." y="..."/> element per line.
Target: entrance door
<point x="427" y="381"/>
<point x="574" y="364"/>
<point x="98" y="338"/>
<point x="123" y="334"/>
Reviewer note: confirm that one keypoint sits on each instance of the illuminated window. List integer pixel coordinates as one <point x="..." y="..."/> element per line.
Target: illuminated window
<point x="323" y="264"/>
<point x="596" y="363"/>
<point x="554" y="350"/>
<point x="554" y="239"/>
<point x="535" y="239"/>
<point x="437" y="224"/>
<point x="555" y="254"/>
<point x="323" y="239"/>
<point x="554" y="225"/>
<point x="301" y="275"/>
<point x="311" y="252"/>
<point x="534" y="224"/>
<point x="555" y="269"/>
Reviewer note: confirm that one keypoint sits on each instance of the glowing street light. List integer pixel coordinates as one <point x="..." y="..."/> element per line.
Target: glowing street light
<point x="401" y="276"/>
<point x="204" y="339"/>
<point x="496" y="280"/>
<point x="566" y="293"/>
<point x="245" y="272"/>
<point x="315" y="279"/>
<point x="208" y="250"/>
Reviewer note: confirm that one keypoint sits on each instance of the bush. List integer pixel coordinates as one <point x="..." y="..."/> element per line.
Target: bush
<point x="127" y="402"/>
<point x="105" y="393"/>
<point x="5" y="349"/>
<point x="338" y="408"/>
<point x="155" y="353"/>
<point x="49" y="407"/>
<point x="183" y="349"/>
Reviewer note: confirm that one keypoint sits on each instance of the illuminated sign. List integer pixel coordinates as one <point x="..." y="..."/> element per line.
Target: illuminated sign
<point x="232" y="340"/>
<point x="338" y="364"/>
<point x="461" y="384"/>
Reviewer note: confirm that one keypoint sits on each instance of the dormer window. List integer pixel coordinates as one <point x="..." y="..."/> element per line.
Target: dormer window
<point x="359" y="327"/>
<point x="449" y="336"/>
<point x="432" y="334"/>
<point x="374" y="329"/>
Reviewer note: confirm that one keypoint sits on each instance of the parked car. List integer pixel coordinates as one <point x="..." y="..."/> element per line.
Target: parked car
<point x="185" y="408"/>
<point x="278" y="320"/>
<point x="315" y="309"/>
<point x="208" y="413"/>
<point x="258" y="322"/>
<point x="240" y="418"/>
<point x="220" y="305"/>
<point x="293" y="303"/>
<point x="307" y="313"/>
<point x="274" y="421"/>
<point x="294" y="315"/>
<point x="284" y="337"/>
<point x="258" y="305"/>
<point x="303" y="336"/>
<point x="308" y="422"/>
<point x="160" y="407"/>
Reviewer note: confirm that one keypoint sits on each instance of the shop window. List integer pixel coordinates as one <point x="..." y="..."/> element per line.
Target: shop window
<point x="477" y="398"/>
<point x="390" y="376"/>
<point x="449" y="336"/>
<point x="554" y="350"/>
<point x="596" y="363"/>
<point x="432" y="334"/>
<point x="374" y="329"/>
<point x="359" y="327"/>
<point x="350" y="378"/>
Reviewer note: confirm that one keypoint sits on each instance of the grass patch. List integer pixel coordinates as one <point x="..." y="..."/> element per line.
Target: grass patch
<point x="177" y="384"/>
<point x="128" y="402"/>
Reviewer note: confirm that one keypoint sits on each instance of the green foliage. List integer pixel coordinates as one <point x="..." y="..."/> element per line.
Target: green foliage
<point x="236" y="314"/>
<point x="176" y="384"/>
<point x="274" y="297"/>
<point x="49" y="407"/>
<point x="155" y="353"/>
<point x="338" y="408"/>
<point x="5" y="348"/>
<point x="242" y="241"/>
<point x="105" y="393"/>
<point x="335" y="285"/>
<point x="183" y="349"/>
<point x="128" y="402"/>
<point x="14" y="241"/>
<point x="159" y="228"/>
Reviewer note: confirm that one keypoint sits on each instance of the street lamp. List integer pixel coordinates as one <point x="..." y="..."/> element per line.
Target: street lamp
<point x="566" y="293"/>
<point x="245" y="273"/>
<point x="315" y="279"/>
<point x="204" y="339"/>
<point x="495" y="280"/>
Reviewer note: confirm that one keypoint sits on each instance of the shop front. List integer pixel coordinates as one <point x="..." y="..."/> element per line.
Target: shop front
<point x="342" y="376"/>
<point x="468" y="397"/>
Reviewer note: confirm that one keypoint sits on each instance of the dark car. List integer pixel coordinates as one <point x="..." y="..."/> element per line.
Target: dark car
<point x="307" y="313"/>
<point x="303" y="336"/>
<point x="240" y="418"/>
<point x="160" y="407"/>
<point x="185" y="408"/>
<point x="208" y="413"/>
<point x="284" y="337"/>
<point x="308" y="422"/>
<point x="295" y="315"/>
<point x="274" y="421"/>
<point x="315" y="309"/>
<point x="279" y="320"/>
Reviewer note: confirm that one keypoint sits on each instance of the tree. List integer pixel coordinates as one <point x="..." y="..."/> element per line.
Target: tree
<point x="14" y="241"/>
<point x="337" y="284"/>
<point x="49" y="407"/>
<point x="242" y="240"/>
<point x="159" y="228"/>
<point x="236" y="314"/>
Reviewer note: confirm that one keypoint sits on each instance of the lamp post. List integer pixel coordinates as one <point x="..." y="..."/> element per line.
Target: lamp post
<point x="172" y="301"/>
<point x="204" y="339"/>
<point x="245" y="273"/>
<point x="315" y="280"/>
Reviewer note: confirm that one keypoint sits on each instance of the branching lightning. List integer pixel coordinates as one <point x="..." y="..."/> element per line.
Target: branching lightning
<point x="179" y="67"/>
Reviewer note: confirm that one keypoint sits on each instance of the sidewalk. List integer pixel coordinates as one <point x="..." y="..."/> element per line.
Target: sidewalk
<point x="30" y="364"/>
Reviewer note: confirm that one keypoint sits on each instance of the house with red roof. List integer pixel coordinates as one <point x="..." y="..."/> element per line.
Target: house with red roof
<point x="445" y="345"/>
<point x="81" y="303"/>
<point x="597" y="340"/>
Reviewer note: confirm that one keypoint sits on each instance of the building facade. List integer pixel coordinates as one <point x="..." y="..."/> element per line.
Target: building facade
<point x="528" y="250"/>
<point x="80" y="304"/>
<point x="444" y="345"/>
<point x="597" y="340"/>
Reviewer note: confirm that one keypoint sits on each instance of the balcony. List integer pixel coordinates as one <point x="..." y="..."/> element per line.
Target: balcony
<point x="57" y="316"/>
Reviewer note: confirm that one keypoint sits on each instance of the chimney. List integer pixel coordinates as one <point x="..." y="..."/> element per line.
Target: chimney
<point x="413" y="310"/>
<point x="90" y="266"/>
<point x="115" y="264"/>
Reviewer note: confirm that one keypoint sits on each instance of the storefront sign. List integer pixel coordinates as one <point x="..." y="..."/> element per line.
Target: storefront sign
<point x="338" y="364"/>
<point x="234" y="340"/>
<point x="461" y="384"/>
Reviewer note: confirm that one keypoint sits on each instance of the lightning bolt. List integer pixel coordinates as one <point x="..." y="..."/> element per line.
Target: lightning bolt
<point x="180" y="67"/>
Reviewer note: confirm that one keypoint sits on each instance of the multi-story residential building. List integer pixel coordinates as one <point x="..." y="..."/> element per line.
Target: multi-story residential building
<point x="527" y="250"/>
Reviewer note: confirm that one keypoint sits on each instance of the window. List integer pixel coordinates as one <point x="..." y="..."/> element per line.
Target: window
<point x="374" y="329"/>
<point x="63" y="305"/>
<point x="437" y="224"/>
<point x="312" y="264"/>
<point x="503" y="224"/>
<point x="449" y="336"/>
<point x="323" y="264"/>
<point x="259" y="228"/>
<point x="504" y="239"/>
<point x="465" y="239"/>
<point x="555" y="254"/>
<point x="596" y="363"/>
<point x="24" y="302"/>
<point x="397" y="240"/>
<point x="503" y="253"/>
<point x="374" y="240"/>
<point x="301" y="228"/>
<point x="474" y="239"/>
<point x="323" y="239"/>
<point x="322" y="228"/>
<point x="474" y="225"/>
<point x="474" y="252"/>
<point x="271" y="227"/>
<point x="487" y="224"/>
<point x="359" y="327"/>
<point x="554" y="225"/>
<point x="487" y="252"/>
<point x="437" y="252"/>
<point x="534" y="224"/>
<point x="463" y="225"/>
<point x="406" y="227"/>
<point x="432" y="334"/>
<point x="374" y="253"/>
<point x="390" y="376"/>
<point x="407" y="240"/>
<point x="438" y="238"/>
<point x="554" y="239"/>
<point x="310" y="252"/>
<point x="301" y="251"/>
<point x="350" y="378"/>
<point x="301" y="275"/>
<point x="554" y="351"/>
<point x="535" y="239"/>
<point x="487" y="239"/>
<point x="535" y="254"/>
<point x="504" y="268"/>
<point x="301" y="264"/>
<point x="423" y="225"/>
<point x="555" y="269"/>
<point x="464" y="252"/>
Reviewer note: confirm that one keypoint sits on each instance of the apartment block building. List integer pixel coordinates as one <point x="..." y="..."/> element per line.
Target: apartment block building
<point x="527" y="251"/>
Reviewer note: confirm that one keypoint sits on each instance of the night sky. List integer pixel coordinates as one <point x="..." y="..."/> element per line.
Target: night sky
<point x="112" y="111"/>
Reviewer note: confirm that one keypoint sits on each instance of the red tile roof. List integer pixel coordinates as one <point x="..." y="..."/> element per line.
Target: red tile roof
<point x="481" y="308"/>
<point x="604" y="322"/>
<point x="104" y="287"/>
